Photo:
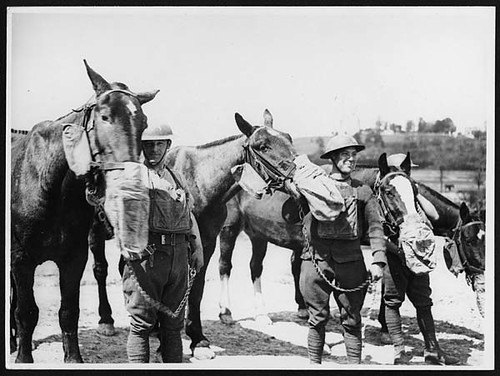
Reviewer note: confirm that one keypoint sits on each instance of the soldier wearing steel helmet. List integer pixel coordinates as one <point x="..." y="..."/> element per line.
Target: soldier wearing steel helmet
<point x="336" y="250"/>
<point x="173" y="244"/>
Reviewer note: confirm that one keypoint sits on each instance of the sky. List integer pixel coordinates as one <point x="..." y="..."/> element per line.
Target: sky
<point x="319" y="70"/>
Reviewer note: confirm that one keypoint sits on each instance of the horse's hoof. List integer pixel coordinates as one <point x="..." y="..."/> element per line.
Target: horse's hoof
<point x="385" y="338"/>
<point x="24" y="358"/>
<point x="226" y="318"/>
<point x="203" y="351"/>
<point x="263" y="319"/>
<point x="78" y="359"/>
<point x="106" y="329"/>
<point x="302" y="313"/>
<point x="326" y="349"/>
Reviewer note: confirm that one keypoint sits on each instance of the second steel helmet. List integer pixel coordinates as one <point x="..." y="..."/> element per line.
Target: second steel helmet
<point x="341" y="142"/>
<point x="157" y="132"/>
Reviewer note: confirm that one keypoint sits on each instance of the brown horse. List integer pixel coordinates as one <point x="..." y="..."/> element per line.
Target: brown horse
<point x="262" y="221"/>
<point x="207" y="170"/>
<point x="50" y="215"/>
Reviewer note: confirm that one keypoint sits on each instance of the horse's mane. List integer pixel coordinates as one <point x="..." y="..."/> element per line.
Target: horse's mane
<point x="439" y="196"/>
<point x="218" y="142"/>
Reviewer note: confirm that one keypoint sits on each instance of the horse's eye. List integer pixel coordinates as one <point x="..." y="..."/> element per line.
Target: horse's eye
<point x="263" y="148"/>
<point x="104" y="118"/>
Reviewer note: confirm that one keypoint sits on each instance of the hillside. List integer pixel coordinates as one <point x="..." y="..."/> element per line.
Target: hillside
<point x="428" y="150"/>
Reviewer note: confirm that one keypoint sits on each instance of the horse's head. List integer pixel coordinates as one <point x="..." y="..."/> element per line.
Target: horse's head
<point x="470" y="236"/>
<point x="118" y="121"/>
<point x="269" y="151"/>
<point x="396" y="192"/>
<point x="113" y="127"/>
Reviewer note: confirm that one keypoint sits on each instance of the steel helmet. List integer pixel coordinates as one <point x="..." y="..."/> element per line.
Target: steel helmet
<point x="157" y="132"/>
<point x="340" y="142"/>
<point x="395" y="160"/>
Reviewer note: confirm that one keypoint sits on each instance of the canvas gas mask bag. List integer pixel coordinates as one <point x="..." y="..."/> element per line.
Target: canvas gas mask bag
<point x="418" y="243"/>
<point x="249" y="180"/>
<point x="452" y="257"/>
<point x="76" y="148"/>
<point x="321" y="192"/>
<point x="127" y="207"/>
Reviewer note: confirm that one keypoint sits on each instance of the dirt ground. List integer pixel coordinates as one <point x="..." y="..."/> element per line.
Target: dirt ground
<point x="250" y="344"/>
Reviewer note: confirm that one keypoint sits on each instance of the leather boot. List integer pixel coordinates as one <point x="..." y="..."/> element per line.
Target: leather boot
<point x="315" y="343"/>
<point x="433" y="354"/>
<point x="171" y="346"/>
<point x="353" y="347"/>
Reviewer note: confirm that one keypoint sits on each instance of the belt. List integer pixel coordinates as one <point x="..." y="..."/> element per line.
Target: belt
<point x="167" y="239"/>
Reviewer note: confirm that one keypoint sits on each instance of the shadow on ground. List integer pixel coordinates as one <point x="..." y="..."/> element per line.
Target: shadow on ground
<point x="235" y="340"/>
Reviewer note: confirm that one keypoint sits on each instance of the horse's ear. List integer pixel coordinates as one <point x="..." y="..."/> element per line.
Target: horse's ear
<point x="245" y="127"/>
<point x="146" y="96"/>
<point x="406" y="164"/>
<point x="99" y="84"/>
<point x="268" y="118"/>
<point x="464" y="212"/>
<point x="382" y="164"/>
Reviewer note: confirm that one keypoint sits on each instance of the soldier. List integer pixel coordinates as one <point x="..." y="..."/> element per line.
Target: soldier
<point x="163" y="271"/>
<point x="336" y="250"/>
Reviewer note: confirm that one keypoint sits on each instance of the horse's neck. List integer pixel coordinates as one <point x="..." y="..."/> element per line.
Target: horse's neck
<point x="207" y="169"/>
<point x="449" y="212"/>
<point x="42" y="152"/>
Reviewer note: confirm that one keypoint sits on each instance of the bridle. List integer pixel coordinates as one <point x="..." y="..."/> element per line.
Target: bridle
<point x="88" y="125"/>
<point x="457" y="238"/>
<point x="390" y="222"/>
<point x="272" y="175"/>
<point x="93" y="178"/>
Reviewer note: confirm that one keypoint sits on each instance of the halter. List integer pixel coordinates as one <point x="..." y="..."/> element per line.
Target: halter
<point x="457" y="238"/>
<point x="97" y="167"/>
<point x="274" y="177"/>
<point x="88" y="126"/>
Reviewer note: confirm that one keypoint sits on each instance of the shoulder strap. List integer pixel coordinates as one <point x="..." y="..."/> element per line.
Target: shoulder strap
<point x="174" y="175"/>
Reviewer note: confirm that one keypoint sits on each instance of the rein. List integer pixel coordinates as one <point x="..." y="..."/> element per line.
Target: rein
<point x="315" y="264"/>
<point x="159" y="305"/>
<point x="457" y="238"/>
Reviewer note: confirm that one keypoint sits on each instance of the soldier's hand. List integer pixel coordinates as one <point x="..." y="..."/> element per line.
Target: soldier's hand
<point x="376" y="271"/>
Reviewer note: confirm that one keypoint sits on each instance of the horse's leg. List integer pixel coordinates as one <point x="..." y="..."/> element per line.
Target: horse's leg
<point x="478" y="284"/>
<point x="100" y="269"/>
<point x="259" y="250"/>
<point x="227" y="239"/>
<point x="70" y="275"/>
<point x="26" y="311"/>
<point x="13" y="305"/>
<point x="296" y="262"/>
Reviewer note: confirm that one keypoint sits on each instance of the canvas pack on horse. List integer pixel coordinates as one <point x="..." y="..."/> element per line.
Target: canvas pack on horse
<point x="57" y="169"/>
<point x="262" y="221"/>
<point x="208" y="171"/>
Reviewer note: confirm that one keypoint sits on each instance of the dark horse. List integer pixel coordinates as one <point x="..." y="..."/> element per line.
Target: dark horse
<point x="262" y="221"/>
<point x="50" y="215"/>
<point x="207" y="170"/>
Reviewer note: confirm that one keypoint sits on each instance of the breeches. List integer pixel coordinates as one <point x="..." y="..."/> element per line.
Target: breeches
<point x="316" y="292"/>
<point x="399" y="280"/>
<point x="164" y="277"/>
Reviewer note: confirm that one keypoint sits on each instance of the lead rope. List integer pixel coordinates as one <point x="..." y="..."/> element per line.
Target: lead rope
<point x="316" y="266"/>
<point x="155" y="303"/>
